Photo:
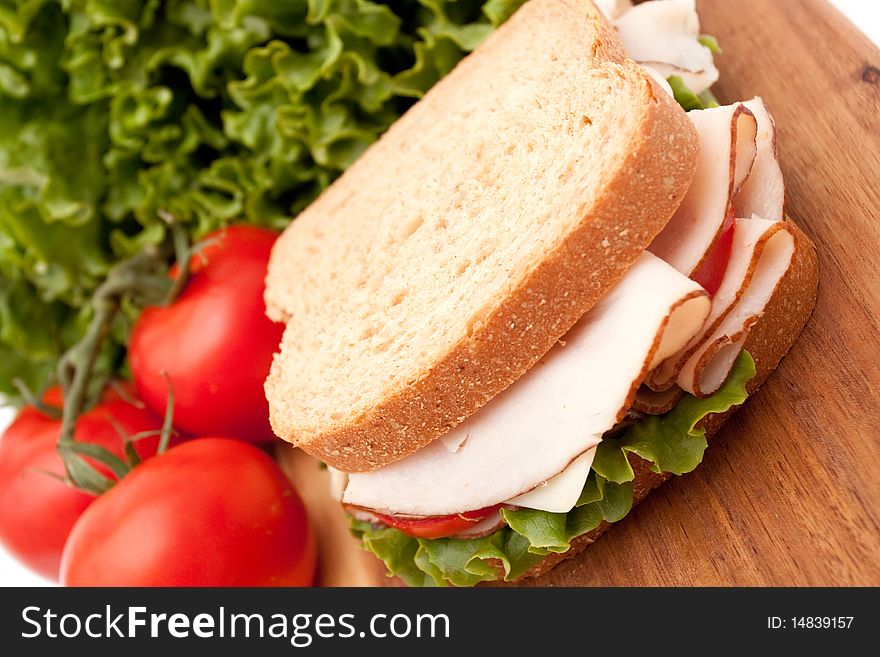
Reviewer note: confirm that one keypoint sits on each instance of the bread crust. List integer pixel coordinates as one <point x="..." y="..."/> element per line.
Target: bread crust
<point x="504" y="341"/>
<point x="769" y="340"/>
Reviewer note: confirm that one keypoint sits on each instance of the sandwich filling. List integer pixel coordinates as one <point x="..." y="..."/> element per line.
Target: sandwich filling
<point x="659" y="326"/>
<point x="547" y="460"/>
<point x="536" y="436"/>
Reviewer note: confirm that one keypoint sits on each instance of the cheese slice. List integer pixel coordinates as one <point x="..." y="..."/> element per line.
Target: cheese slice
<point x="555" y="413"/>
<point x="559" y="494"/>
<point x="338" y="482"/>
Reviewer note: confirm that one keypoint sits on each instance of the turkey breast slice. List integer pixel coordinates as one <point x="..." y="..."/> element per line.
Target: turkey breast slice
<point x="665" y="35"/>
<point x="727" y="150"/>
<point x="555" y="413"/>
<point x="763" y="192"/>
<point x="750" y="238"/>
<point x="707" y="367"/>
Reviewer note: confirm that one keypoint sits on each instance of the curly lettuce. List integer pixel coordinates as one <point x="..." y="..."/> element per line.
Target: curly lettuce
<point x="672" y="443"/>
<point x="213" y="110"/>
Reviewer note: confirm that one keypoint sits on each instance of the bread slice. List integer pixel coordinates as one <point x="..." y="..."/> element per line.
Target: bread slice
<point x="464" y="243"/>
<point x="768" y="341"/>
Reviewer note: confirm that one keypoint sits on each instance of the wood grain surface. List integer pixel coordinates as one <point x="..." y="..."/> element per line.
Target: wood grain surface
<point x="342" y="561"/>
<point x="789" y="491"/>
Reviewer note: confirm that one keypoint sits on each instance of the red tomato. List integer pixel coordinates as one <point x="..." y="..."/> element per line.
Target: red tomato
<point x="215" y="341"/>
<point x="210" y="512"/>
<point x="711" y="271"/>
<point x="36" y="510"/>
<point x="437" y="526"/>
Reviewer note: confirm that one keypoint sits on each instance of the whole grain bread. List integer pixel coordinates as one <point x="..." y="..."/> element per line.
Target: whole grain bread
<point x="768" y="342"/>
<point x="464" y="243"/>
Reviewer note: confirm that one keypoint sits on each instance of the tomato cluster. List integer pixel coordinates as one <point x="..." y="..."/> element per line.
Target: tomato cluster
<point x="37" y="509"/>
<point x="213" y="510"/>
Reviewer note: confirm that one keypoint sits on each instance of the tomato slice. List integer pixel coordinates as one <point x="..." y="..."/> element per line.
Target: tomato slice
<point x="437" y="526"/>
<point x="711" y="271"/>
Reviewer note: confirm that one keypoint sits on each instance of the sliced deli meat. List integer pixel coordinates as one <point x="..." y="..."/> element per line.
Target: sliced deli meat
<point x="763" y="192"/>
<point x="758" y="252"/>
<point x="657" y="402"/>
<point x="727" y="151"/>
<point x="555" y="413"/>
<point x="665" y="35"/>
<point x="750" y="238"/>
<point x="771" y="247"/>
<point x="485" y="527"/>
<point x="545" y="160"/>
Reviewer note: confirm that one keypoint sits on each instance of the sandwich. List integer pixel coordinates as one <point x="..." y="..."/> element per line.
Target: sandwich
<point x="538" y="294"/>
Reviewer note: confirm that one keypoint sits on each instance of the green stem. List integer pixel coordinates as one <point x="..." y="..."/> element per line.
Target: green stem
<point x="168" y="422"/>
<point x="36" y="400"/>
<point x="125" y="396"/>
<point x="76" y="367"/>
<point x="142" y="274"/>
<point x="182" y="254"/>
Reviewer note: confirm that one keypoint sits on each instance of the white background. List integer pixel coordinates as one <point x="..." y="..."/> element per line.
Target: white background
<point x="864" y="13"/>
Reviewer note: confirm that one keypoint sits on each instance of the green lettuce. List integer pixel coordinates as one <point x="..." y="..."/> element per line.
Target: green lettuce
<point x="216" y="111"/>
<point x="687" y="98"/>
<point x="683" y="95"/>
<point x="710" y="42"/>
<point x="672" y="443"/>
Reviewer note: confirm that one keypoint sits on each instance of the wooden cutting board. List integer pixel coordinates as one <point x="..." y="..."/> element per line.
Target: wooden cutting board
<point x="789" y="491"/>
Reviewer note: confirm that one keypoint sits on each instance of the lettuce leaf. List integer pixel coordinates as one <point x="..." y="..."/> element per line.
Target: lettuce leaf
<point x="672" y="443"/>
<point x="710" y="42"/>
<point x="687" y="98"/>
